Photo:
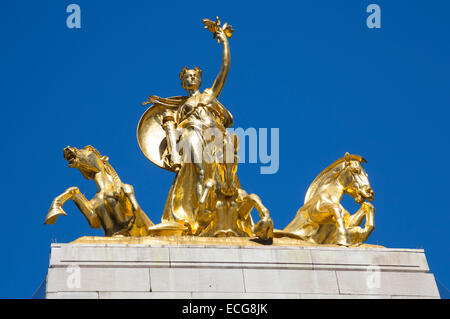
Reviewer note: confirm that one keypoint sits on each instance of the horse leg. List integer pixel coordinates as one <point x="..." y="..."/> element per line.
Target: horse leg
<point x="370" y="217"/>
<point x="264" y="228"/>
<point x="358" y="234"/>
<point x="80" y="201"/>
<point x="357" y="218"/>
<point x="56" y="206"/>
<point x="104" y="208"/>
<point x="262" y="210"/>
<point x="142" y="221"/>
<point x="342" y="236"/>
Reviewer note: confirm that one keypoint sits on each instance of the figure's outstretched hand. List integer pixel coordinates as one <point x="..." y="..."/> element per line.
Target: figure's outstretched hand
<point x="220" y="33"/>
<point x="221" y="36"/>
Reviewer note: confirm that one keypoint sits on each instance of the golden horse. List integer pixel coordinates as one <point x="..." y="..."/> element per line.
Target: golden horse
<point x="322" y="219"/>
<point x="114" y="207"/>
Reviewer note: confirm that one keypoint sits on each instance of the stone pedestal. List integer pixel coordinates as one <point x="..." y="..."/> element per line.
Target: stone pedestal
<point x="99" y="268"/>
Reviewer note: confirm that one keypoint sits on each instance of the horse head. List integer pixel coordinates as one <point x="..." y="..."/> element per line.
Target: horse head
<point x="354" y="179"/>
<point x="87" y="160"/>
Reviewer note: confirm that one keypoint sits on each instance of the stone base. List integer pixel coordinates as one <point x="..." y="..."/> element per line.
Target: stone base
<point x="99" y="267"/>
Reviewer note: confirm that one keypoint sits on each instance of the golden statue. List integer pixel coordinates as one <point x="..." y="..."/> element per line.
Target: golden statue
<point x="322" y="219"/>
<point x="187" y="135"/>
<point x="114" y="207"/>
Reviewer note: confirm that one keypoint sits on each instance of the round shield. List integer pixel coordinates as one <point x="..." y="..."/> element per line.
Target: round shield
<point x="150" y="133"/>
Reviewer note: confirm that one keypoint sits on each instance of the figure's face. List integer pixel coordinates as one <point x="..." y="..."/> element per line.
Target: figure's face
<point x="191" y="80"/>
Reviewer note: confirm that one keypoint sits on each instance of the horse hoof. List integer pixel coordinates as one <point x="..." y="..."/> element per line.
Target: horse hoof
<point x="53" y="214"/>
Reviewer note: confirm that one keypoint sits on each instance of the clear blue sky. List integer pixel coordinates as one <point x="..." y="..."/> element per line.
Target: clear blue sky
<point x="310" y="68"/>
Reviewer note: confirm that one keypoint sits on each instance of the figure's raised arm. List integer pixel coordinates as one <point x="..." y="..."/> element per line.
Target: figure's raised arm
<point x="226" y="58"/>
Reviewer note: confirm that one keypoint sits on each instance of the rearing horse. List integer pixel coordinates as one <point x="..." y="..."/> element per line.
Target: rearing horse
<point x="114" y="207"/>
<point x="322" y="219"/>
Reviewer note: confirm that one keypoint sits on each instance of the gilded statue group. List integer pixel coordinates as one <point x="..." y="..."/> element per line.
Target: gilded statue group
<point x="188" y="136"/>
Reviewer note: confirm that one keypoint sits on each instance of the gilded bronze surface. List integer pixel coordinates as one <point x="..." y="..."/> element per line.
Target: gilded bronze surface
<point x="188" y="136"/>
<point x="322" y="219"/>
<point x="114" y="207"/>
<point x="224" y="209"/>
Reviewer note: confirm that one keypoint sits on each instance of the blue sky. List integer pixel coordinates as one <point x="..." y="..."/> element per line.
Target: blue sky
<point x="310" y="68"/>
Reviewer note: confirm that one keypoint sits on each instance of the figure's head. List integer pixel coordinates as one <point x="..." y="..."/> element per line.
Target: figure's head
<point x="87" y="160"/>
<point x="355" y="180"/>
<point x="191" y="79"/>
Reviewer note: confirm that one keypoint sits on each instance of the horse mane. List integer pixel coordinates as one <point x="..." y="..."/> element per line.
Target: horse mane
<point x="316" y="182"/>
<point x="109" y="169"/>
